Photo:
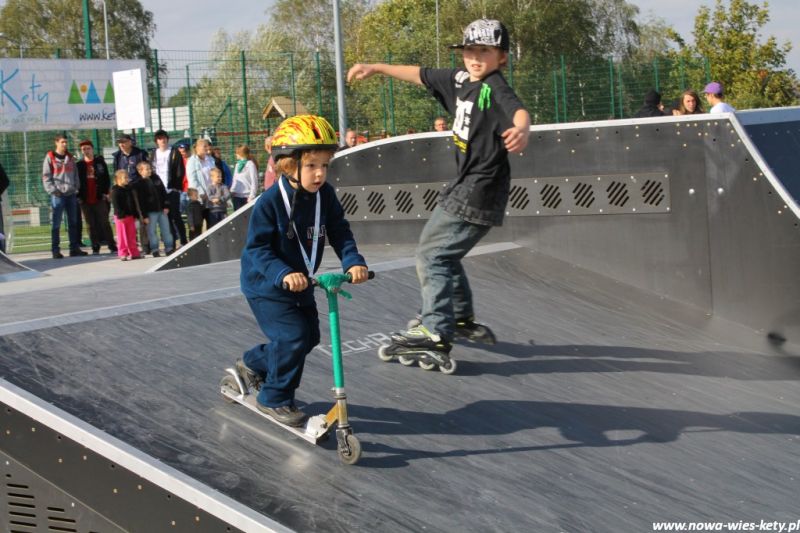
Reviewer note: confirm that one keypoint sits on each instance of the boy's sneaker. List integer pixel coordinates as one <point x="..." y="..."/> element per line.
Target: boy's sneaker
<point x="289" y="415"/>
<point x="421" y="337"/>
<point x="250" y="378"/>
<point x="156" y="254"/>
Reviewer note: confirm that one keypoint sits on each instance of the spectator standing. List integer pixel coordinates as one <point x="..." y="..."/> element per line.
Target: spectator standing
<point x="218" y="196"/>
<point x="269" y="173"/>
<point x="245" y="178"/>
<point x="194" y="213"/>
<point x="688" y="104"/>
<point x="128" y="156"/>
<point x="350" y="139"/>
<point x="227" y="175"/>
<point x="155" y="208"/>
<point x="95" y="184"/>
<point x="715" y="96"/>
<point x="198" y="169"/>
<point x="4" y="183"/>
<point x="652" y="105"/>
<point x="60" y="180"/>
<point x="169" y="166"/>
<point x="440" y="124"/>
<point x="125" y="215"/>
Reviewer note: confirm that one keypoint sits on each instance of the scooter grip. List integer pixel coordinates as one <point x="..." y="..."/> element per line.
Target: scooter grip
<point x="313" y="281"/>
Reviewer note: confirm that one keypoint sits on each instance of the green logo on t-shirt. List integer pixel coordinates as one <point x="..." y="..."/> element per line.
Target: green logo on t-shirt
<point x="484" y="99"/>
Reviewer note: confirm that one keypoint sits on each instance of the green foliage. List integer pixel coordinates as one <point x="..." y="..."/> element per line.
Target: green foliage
<point x="751" y="70"/>
<point x="58" y="24"/>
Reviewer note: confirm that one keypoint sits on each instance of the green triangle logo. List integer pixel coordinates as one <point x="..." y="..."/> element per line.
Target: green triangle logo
<point x="108" y="97"/>
<point x="74" y="94"/>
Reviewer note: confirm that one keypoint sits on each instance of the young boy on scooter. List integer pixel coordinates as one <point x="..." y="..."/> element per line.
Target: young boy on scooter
<point x="288" y="228"/>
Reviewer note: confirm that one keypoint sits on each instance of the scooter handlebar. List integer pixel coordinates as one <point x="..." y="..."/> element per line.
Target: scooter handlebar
<point x="313" y="281"/>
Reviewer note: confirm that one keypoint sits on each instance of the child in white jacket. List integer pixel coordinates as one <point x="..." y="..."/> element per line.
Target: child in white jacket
<point x="245" y="178"/>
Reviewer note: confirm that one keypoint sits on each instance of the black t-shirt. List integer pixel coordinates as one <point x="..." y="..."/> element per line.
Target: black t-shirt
<point x="483" y="110"/>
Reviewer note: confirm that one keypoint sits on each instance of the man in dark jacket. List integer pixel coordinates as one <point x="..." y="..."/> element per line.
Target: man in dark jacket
<point x="128" y="156"/>
<point x="168" y="164"/>
<point x="4" y="183"/>
<point x="652" y="105"/>
<point x="93" y="197"/>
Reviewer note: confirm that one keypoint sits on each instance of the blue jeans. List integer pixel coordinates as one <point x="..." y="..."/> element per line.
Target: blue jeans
<point x="446" y="295"/>
<point x="68" y="203"/>
<point x="158" y="218"/>
<point x="293" y="331"/>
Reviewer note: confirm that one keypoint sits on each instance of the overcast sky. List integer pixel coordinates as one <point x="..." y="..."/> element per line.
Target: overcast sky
<point x="185" y="29"/>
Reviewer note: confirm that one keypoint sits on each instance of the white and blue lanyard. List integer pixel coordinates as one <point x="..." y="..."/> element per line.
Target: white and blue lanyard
<point x="315" y="237"/>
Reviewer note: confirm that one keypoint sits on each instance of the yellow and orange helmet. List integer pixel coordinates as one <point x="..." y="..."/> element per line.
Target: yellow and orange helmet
<point x="302" y="132"/>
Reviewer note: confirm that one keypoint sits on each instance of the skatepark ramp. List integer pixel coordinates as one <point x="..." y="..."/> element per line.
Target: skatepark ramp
<point x="10" y="270"/>
<point x="643" y="291"/>
<point x="695" y="209"/>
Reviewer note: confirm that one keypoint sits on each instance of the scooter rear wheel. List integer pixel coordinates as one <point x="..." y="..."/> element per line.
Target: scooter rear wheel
<point x="351" y="456"/>
<point x="229" y="382"/>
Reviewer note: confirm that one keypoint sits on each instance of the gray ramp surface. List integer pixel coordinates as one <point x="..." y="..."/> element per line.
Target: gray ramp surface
<point x="10" y="270"/>
<point x="603" y="408"/>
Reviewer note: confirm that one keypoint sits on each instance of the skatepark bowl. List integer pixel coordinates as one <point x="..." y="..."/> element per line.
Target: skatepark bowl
<point x="644" y="292"/>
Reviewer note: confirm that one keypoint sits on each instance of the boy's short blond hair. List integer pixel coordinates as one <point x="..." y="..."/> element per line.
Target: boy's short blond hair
<point x="191" y="193"/>
<point x="142" y="164"/>
<point x="288" y="165"/>
<point x="214" y="172"/>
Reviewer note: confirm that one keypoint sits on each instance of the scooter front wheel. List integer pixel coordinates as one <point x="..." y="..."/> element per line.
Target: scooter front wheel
<point x="352" y="453"/>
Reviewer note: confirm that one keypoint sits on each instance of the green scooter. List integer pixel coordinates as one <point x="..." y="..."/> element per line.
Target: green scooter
<point x="235" y="390"/>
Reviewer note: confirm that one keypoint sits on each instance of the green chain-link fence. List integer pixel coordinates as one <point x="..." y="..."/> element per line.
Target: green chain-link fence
<point x="223" y="96"/>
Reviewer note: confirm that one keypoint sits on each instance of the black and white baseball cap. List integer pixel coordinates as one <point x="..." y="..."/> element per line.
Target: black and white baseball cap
<point x="486" y="32"/>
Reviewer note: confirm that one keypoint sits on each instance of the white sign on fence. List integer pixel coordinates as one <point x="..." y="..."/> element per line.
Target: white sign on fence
<point x="59" y="94"/>
<point x="131" y="95"/>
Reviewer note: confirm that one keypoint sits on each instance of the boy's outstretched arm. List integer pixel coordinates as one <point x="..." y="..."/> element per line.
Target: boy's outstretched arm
<point x="362" y="71"/>
<point x="516" y="138"/>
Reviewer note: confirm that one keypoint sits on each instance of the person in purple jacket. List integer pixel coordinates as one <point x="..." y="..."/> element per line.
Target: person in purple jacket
<point x="288" y="228"/>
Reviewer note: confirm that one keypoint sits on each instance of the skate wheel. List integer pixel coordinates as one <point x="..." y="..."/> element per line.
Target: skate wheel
<point x="228" y="382"/>
<point x="426" y="366"/>
<point x="383" y="356"/>
<point x="449" y="368"/>
<point x="353" y="454"/>
<point x="488" y="336"/>
<point x="405" y="361"/>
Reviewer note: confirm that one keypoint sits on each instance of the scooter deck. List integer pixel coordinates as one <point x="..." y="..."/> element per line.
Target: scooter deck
<point x="315" y="429"/>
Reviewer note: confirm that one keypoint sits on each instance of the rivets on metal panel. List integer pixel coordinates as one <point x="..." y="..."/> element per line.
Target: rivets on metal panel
<point x="691" y="191"/>
<point x="720" y="190"/>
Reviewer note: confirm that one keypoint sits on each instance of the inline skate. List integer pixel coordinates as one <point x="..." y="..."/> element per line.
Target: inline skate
<point x="421" y="346"/>
<point x="466" y="328"/>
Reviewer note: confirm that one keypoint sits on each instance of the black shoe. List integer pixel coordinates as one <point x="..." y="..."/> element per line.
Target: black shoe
<point x="77" y="253"/>
<point x="289" y="415"/>
<point x="113" y="250"/>
<point x="156" y="254"/>
<point x="58" y="255"/>
<point x="168" y="252"/>
<point x="95" y="251"/>
<point x="250" y="378"/>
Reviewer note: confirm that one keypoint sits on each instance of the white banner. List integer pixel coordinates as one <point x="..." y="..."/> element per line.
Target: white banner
<point x="59" y="94"/>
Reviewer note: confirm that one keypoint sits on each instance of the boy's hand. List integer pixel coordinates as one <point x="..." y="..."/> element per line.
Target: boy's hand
<point x="296" y="281"/>
<point x="358" y="274"/>
<point x="516" y="139"/>
<point x="360" y="71"/>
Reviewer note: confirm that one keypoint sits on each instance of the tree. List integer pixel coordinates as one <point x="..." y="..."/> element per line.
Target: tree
<point x="42" y="26"/>
<point x="752" y="72"/>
